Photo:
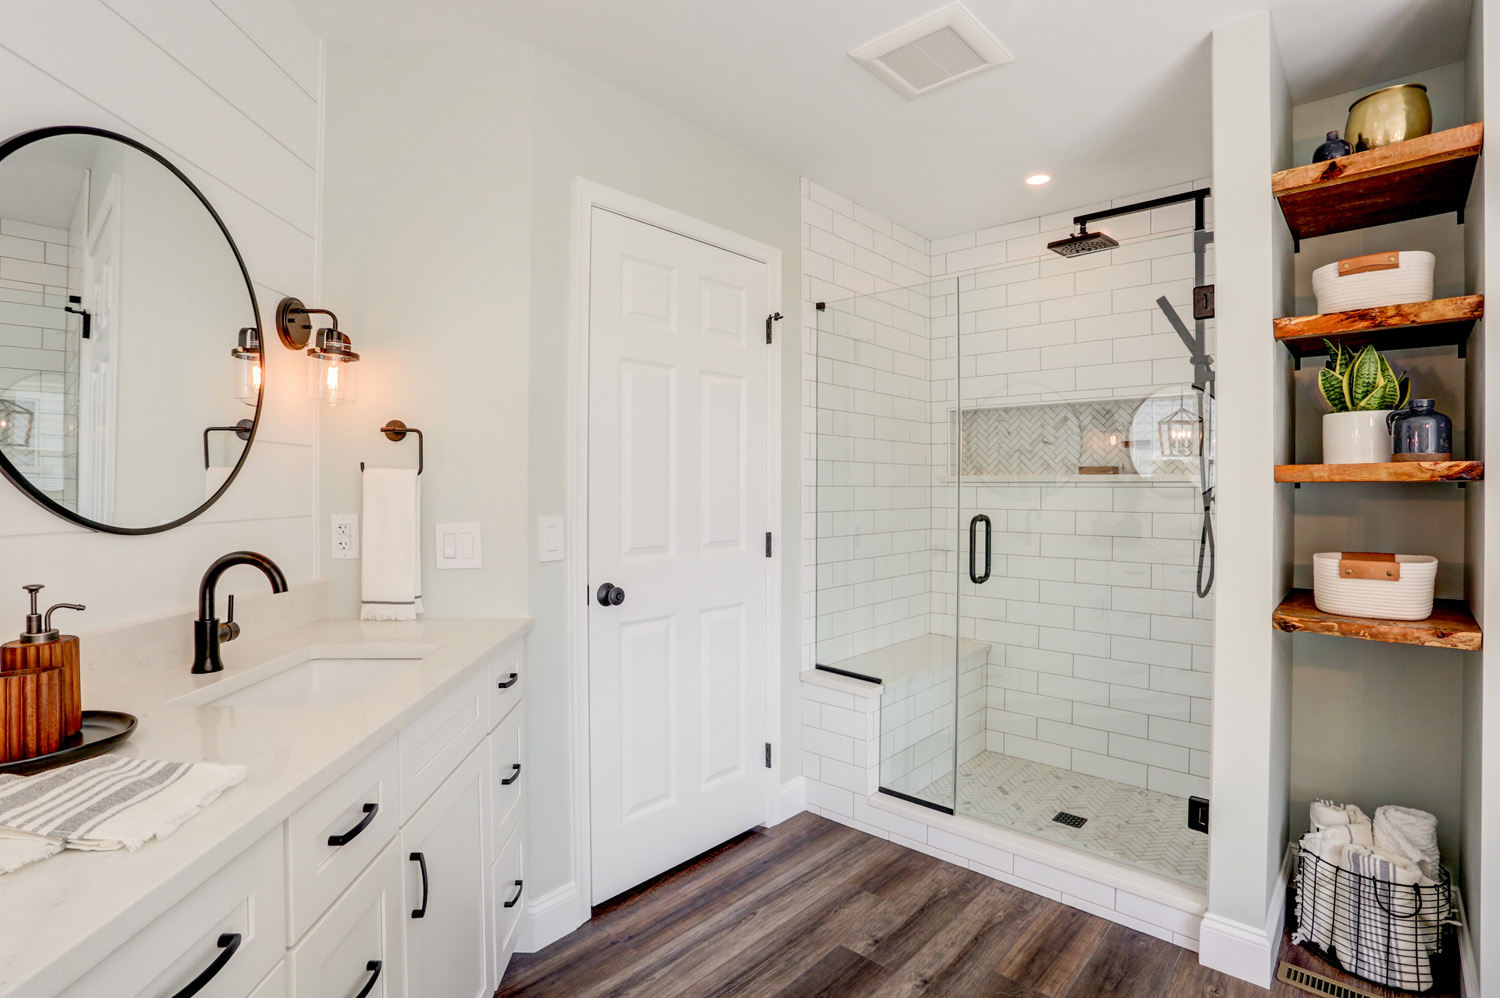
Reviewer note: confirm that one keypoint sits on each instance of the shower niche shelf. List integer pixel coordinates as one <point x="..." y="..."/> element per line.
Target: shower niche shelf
<point x="1440" y="323"/>
<point x="1424" y="176"/>
<point x="1392" y="471"/>
<point x="1450" y="626"/>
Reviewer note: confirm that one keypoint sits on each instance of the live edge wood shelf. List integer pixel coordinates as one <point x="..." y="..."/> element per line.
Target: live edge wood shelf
<point x="1444" y="322"/>
<point x="1393" y="471"/>
<point x="1425" y="176"/>
<point x="1450" y="626"/>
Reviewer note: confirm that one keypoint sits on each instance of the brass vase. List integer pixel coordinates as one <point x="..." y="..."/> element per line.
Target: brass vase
<point x="1394" y="114"/>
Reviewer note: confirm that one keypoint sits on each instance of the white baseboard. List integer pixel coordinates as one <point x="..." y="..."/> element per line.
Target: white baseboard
<point x="1248" y="952"/>
<point x="1468" y="966"/>
<point x="789" y="799"/>
<point x="549" y="918"/>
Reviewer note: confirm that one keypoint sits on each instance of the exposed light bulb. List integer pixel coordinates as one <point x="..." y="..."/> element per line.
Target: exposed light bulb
<point x="333" y="379"/>
<point x="1038" y="179"/>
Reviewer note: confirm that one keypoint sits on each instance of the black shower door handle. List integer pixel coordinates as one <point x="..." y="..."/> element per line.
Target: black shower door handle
<point x="974" y="575"/>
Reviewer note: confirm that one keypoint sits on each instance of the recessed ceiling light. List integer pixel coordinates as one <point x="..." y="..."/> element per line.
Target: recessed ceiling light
<point x="1038" y="179"/>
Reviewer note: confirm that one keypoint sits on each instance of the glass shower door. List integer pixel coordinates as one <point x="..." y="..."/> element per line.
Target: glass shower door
<point x="884" y="551"/>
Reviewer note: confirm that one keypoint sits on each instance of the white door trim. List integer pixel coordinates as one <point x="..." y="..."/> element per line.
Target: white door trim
<point x="588" y="196"/>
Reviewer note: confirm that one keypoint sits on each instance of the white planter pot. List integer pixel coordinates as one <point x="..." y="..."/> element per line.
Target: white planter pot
<point x="1356" y="437"/>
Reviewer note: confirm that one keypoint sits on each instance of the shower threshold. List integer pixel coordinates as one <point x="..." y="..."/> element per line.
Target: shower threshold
<point x="1133" y="825"/>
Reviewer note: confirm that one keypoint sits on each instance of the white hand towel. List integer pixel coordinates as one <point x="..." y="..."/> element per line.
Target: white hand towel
<point x="391" y="538"/>
<point x="111" y="802"/>
<point x="1384" y="936"/>
<point x="1410" y="835"/>
<point x="1318" y="887"/>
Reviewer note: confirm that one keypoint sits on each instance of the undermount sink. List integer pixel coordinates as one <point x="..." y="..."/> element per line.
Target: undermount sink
<point x="312" y="677"/>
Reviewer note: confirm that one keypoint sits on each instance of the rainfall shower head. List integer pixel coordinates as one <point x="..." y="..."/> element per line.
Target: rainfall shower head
<point x="1084" y="242"/>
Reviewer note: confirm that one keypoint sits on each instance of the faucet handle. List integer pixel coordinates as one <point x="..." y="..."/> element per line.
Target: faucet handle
<point x="230" y="618"/>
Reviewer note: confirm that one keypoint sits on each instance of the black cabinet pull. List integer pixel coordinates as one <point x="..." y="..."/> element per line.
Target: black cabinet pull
<point x="517" y="899"/>
<point x="513" y="776"/>
<point x="228" y="943"/>
<point x="421" y="861"/>
<point x="373" y="967"/>
<point x="974" y="575"/>
<point x="342" y="840"/>
<point x="511" y="681"/>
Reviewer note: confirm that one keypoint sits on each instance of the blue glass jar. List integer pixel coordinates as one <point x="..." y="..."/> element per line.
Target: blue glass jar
<point x="1332" y="149"/>
<point x="1420" y="433"/>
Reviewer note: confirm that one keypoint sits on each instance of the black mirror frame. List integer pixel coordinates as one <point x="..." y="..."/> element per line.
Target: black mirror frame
<point x="19" y="480"/>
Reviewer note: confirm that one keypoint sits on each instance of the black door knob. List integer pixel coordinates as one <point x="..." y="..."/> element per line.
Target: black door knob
<point x="611" y="595"/>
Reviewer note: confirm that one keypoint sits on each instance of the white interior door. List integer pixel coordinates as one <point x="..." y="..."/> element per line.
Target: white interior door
<point x="677" y="519"/>
<point x="99" y="361"/>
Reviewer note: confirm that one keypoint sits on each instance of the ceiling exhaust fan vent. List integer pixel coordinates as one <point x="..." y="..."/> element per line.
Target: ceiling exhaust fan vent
<point x="931" y="52"/>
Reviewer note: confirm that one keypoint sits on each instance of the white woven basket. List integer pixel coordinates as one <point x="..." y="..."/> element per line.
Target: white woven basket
<point x="1409" y="598"/>
<point x="1410" y="280"/>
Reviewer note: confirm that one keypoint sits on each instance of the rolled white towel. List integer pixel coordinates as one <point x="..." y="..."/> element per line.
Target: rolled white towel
<point x="1410" y="835"/>
<point x="1318" y="887"/>
<point x="1325" y="813"/>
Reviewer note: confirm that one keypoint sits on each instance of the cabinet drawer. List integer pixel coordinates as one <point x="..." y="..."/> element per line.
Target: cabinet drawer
<point x="434" y="744"/>
<point x="274" y="986"/>
<point x="359" y="939"/>
<point x="507" y="746"/>
<point x="507" y="680"/>
<point x="508" y="886"/>
<point x="334" y="836"/>
<point x="242" y="907"/>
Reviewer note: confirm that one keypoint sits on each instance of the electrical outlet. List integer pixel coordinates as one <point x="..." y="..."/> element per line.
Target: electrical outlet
<point x="345" y="532"/>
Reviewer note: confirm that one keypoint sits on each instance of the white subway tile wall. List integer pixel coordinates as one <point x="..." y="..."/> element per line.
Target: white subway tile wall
<point x="39" y="354"/>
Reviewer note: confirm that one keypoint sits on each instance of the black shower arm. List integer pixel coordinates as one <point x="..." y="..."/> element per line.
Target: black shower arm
<point x="1199" y="223"/>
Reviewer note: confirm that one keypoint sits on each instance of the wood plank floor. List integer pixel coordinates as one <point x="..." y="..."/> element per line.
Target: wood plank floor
<point x="812" y="909"/>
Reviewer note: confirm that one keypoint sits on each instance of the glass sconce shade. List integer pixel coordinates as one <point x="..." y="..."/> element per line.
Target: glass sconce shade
<point x="249" y="370"/>
<point x="332" y="377"/>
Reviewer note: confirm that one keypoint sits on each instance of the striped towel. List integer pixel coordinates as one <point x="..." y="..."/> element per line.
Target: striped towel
<point x="111" y="802"/>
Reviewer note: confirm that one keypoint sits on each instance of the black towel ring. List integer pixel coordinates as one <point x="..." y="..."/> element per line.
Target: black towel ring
<point x="397" y="430"/>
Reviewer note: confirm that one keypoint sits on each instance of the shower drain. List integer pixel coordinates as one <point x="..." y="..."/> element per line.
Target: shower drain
<point x="1071" y="820"/>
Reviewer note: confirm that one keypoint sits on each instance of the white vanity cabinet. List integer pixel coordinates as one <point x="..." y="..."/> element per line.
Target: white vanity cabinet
<point x="228" y="934"/>
<point x="357" y="943"/>
<point x="274" y="986"/>
<point x="447" y="944"/>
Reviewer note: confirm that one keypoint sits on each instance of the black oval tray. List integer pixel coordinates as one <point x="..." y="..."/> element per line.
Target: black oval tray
<point x="102" y="730"/>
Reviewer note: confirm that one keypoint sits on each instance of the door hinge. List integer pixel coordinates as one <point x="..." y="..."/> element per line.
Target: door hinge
<point x="1198" y="814"/>
<point x="1203" y="302"/>
<point x="768" y="544"/>
<point x="770" y="319"/>
<point x="768" y="755"/>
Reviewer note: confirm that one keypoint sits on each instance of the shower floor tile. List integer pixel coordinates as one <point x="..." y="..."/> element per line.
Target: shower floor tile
<point x="1133" y="825"/>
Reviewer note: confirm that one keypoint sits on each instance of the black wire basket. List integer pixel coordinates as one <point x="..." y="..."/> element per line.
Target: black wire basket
<point x="1383" y="932"/>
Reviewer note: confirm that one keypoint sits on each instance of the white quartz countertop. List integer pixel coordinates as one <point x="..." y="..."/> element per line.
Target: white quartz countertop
<point x="61" y="916"/>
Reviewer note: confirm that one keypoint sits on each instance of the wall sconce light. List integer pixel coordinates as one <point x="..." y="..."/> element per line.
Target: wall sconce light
<point x="248" y="373"/>
<point x="331" y="377"/>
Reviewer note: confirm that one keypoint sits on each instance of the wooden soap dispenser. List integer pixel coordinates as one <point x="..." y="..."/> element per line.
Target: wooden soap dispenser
<point x="40" y="686"/>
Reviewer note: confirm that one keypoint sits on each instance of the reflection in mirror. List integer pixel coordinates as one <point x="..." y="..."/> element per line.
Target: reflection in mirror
<point x="127" y="329"/>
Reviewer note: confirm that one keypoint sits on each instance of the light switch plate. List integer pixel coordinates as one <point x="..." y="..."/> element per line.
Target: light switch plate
<point x="549" y="538"/>
<point x="344" y="530"/>
<point x="458" y="546"/>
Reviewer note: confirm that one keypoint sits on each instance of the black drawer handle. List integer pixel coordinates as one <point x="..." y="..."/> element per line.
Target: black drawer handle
<point x="511" y="681"/>
<point x="517" y="899"/>
<point x="228" y="943"/>
<point x="421" y="861"/>
<point x="513" y="776"/>
<point x="373" y="967"/>
<point x="342" y="840"/>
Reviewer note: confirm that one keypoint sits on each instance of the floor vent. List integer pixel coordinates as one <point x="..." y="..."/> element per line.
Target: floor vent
<point x="1317" y="984"/>
<point x="931" y="52"/>
<point x="1071" y="820"/>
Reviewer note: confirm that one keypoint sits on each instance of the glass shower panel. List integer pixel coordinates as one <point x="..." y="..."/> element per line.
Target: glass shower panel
<point x="884" y="551"/>
<point x="1074" y="452"/>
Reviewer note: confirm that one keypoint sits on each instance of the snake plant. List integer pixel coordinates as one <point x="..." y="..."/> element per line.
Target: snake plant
<point x="1361" y="382"/>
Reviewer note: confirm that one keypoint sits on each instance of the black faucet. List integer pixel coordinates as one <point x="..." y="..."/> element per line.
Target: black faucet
<point x="208" y="633"/>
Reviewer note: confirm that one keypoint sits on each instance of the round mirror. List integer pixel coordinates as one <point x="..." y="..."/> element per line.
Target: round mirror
<point x="130" y="352"/>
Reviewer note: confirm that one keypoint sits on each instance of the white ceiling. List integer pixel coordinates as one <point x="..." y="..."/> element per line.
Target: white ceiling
<point x="1109" y="96"/>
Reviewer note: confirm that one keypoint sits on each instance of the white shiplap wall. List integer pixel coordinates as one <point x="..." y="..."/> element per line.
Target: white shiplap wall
<point x="229" y="91"/>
